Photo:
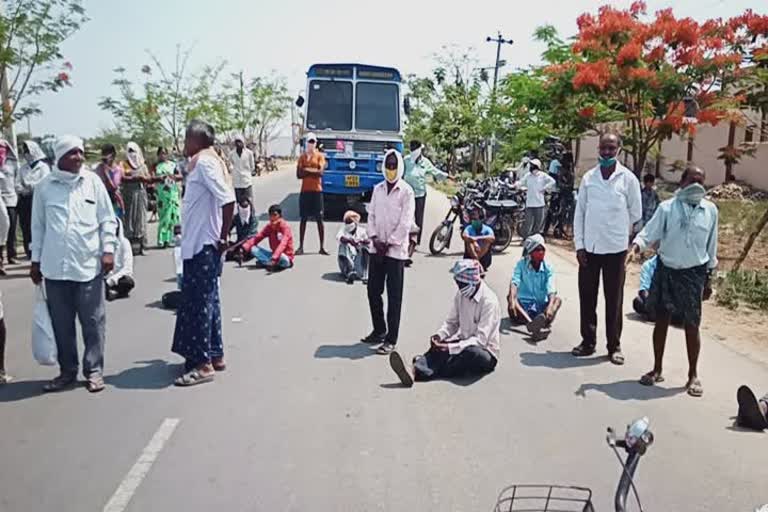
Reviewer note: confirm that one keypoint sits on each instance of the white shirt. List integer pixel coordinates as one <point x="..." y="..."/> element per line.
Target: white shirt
<point x="537" y="183"/>
<point x="201" y="217"/>
<point x="390" y="215"/>
<point x="476" y="321"/>
<point x="606" y="210"/>
<point x="73" y="224"/>
<point x="30" y="176"/>
<point x="123" y="262"/>
<point x="242" y="166"/>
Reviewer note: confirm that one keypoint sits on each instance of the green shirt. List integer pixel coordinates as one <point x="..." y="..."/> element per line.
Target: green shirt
<point x="416" y="174"/>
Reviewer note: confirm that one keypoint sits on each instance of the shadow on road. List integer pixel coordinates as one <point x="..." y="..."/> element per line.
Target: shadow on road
<point x="735" y="427"/>
<point x="629" y="390"/>
<point x="153" y="374"/>
<point x="558" y="360"/>
<point x="334" y="277"/>
<point x="353" y="352"/>
<point x="21" y="390"/>
<point x="290" y="206"/>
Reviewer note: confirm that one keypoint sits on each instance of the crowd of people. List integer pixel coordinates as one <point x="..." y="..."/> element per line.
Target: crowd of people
<point x="82" y="229"/>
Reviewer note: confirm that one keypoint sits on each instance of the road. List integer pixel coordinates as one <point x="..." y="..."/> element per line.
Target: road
<point x="306" y="418"/>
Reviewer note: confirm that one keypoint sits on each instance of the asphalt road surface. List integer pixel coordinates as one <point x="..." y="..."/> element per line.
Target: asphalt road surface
<point x="307" y="418"/>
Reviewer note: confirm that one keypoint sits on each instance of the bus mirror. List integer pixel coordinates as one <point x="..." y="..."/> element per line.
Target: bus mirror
<point x="407" y="105"/>
<point x="300" y="101"/>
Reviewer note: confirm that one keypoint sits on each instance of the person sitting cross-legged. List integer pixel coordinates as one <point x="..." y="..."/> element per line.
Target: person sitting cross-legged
<point x="468" y="342"/>
<point x="478" y="239"/>
<point x="119" y="282"/>
<point x="532" y="298"/>
<point x="280" y="255"/>
<point x="353" y="249"/>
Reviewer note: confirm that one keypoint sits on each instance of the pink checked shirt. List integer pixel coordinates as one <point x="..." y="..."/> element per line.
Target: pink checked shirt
<point x="390" y="216"/>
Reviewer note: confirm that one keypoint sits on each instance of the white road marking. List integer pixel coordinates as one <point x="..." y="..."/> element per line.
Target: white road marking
<point x="122" y="496"/>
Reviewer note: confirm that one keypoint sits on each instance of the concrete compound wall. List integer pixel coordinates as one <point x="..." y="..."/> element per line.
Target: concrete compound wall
<point x="705" y="152"/>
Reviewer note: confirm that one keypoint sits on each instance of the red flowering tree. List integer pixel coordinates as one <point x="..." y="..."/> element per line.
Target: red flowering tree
<point x="643" y="69"/>
<point x="31" y="34"/>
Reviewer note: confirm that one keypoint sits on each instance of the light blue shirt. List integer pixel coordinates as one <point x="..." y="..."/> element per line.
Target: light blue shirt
<point x="73" y="224"/>
<point x="646" y="274"/>
<point x="533" y="285"/>
<point x="681" y="247"/>
<point x="416" y="174"/>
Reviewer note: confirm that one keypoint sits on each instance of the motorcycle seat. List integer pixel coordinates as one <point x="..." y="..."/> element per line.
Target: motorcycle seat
<point x="503" y="204"/>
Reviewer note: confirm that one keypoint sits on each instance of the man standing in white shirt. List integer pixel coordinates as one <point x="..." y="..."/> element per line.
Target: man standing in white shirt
<point x="609" y="204"/>
<point x="73" y="247"/>
<point x="243" y="163"/>
<point x="390" y="215"/>
<point x="537" y="183"/>
<point x="206" y="214"/>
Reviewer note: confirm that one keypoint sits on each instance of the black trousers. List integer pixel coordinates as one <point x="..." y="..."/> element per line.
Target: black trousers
<point x="11" y="242"/>
<point x="421" y="203"/>
<point x="24" y="210"/>
<point x="386" y="272"/>
<point x="439" y="364"/>
<point x="612" y="268"/>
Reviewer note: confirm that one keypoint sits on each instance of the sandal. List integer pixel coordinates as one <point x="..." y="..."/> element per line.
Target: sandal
<point x="5" y="378"/>
<point x="193" y="378"/>
<point x="537" y="324"/>
<point x="694" y="387"/>
<point x="651" y="378"/>
<point x="617" y="358"/>
<point x="385" y="349"/>
<point x="398" y="365"/>
<point x="583" y="350"/>
<point x="95" y="384"/>
<point x="60" y="383"/>
<point x="749" y="415"/>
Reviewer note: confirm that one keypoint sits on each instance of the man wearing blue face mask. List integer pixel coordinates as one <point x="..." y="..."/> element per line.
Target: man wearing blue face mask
<point x="478" y="239"/>
<point x="686" y="229"/>
<point x="609" y="204"/>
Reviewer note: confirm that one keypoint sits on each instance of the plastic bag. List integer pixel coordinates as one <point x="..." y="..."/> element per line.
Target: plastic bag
<point x="43" y="341"/>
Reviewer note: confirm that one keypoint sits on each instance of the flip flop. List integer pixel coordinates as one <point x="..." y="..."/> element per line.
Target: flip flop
<point x="617" y="358"/>
<point x="5" y="378"/>
<point x="60" y="383"/>
<point x="749" y="414"/>
<point x="651" y="378"/>
<point x="94" y="384"/>
<point x="537" y="324"/>
<point x="385" y="349"/>
<point x="695" y="388"/>
<point x="398" y="365"/>
<point x="193" y="378"/>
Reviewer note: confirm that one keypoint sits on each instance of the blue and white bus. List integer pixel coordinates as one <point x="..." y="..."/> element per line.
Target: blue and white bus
<point x="355" y="111"/>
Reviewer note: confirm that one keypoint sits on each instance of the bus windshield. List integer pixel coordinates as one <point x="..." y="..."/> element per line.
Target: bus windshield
<point x="378" y="107"/>
<point x="330" y="105"/>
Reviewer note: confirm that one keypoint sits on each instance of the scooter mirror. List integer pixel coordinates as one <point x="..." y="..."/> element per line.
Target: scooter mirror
<point x="639" y="432"/>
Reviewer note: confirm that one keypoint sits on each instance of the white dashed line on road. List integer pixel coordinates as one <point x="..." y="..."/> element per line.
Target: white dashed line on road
<point x="122" y="496"/>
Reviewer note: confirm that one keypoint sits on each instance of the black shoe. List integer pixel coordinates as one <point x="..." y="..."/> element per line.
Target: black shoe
<point x="408" y="263"/>
<point x="583" y="350"/>
<point x="374" y="339"/>
<point x="398" y="366"/>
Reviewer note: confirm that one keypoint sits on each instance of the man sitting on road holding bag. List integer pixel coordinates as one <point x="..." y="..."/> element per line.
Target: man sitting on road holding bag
<point x="73" y="247"/>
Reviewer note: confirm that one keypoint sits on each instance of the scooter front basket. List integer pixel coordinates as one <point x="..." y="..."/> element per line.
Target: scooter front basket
<point x="544" y="498"/>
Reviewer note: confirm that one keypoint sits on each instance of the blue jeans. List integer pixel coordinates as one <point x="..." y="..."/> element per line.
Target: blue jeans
<point x="264" y="257"/>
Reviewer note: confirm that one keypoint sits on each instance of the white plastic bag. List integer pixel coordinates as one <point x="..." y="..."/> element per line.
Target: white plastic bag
<point x="43" y="340"/>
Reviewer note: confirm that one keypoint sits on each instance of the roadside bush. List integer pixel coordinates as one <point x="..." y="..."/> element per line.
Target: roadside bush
<point x="743" y="286"/>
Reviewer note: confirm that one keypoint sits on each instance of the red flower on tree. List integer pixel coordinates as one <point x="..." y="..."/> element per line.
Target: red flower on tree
<point x="629" y="54"/>
<point x="592" y="74"/>
<point x="587" y="112"/>
<point x="62" y="77"/>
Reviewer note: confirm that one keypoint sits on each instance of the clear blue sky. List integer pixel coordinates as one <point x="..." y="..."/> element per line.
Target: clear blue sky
<point x="286" y="36"/>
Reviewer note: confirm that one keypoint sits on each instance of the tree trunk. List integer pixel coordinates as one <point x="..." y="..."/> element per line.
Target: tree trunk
<point x="474" y="160"/>
<point x="658" y="162"/>
<point x="728" y="162"/>
<point x="577" y="154"/>
<point x="751" y="240"/>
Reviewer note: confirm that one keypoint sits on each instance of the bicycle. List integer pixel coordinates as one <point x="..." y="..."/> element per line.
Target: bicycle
<point x="560" y="498"/>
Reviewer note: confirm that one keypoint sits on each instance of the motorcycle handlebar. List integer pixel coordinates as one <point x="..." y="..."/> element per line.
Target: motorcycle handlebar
<point x="627" y="475"/>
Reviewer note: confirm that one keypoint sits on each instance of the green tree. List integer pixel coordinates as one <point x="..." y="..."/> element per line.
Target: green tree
<point x="31" y="63"/>
<point x="257" y="106"/>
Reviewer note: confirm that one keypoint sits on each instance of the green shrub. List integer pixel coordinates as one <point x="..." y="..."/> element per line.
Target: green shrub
<point x="743" y="286"/>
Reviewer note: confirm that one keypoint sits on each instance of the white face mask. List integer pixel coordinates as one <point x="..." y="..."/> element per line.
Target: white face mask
<point x="69" y="178"/>
<point x="416" y="154"/>
<point x="351" y="227"/>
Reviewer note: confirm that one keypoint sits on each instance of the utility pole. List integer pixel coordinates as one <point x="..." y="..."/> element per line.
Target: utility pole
<point x="499" y="40"/>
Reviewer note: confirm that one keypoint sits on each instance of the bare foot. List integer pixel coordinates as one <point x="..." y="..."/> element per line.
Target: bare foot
<point x="300" y="251"/>
<point x="324" y="252"/>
